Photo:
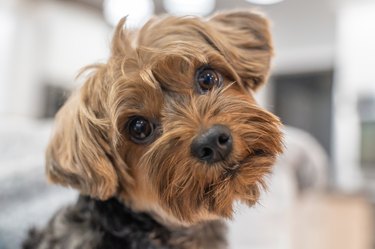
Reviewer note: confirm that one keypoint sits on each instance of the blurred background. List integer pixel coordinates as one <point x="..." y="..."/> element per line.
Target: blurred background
<point x="322" y="193"/>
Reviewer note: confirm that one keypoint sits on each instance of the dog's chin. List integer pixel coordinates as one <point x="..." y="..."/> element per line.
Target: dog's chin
<point x="236" y="185"/>
<point x="242" y="182"/>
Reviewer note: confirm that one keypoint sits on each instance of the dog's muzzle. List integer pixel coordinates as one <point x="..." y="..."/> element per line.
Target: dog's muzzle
<point x="214" y="145"/>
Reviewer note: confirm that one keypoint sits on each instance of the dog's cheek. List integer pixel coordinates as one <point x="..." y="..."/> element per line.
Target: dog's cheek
<point x="240" y="148"/>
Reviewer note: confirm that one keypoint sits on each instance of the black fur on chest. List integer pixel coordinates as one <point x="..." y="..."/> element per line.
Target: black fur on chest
<point x="122" y="228"/>
<point x="94" y="224"/>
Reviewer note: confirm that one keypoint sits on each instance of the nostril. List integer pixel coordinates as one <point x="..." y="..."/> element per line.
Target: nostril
<point x="223" y="139"/>
<point x="206" y="153"/>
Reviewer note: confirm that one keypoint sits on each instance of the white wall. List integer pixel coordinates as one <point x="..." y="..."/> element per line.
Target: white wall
<point x="74" y="37"/>
<point x="355" y="75"/>
<point x="304" y="35"/>
<point x="7" y="32"/>
<point x="52" y="41"/>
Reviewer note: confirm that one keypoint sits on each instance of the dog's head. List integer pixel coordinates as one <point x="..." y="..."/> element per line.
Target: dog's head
<point x="169" y="124"/>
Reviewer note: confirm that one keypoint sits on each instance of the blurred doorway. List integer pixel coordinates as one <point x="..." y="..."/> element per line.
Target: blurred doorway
<point x="305" y="101"/>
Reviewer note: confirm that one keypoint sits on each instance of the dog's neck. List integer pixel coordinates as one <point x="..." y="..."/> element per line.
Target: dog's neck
<point x="122" y="223"/>
<point x="116" y="217"/>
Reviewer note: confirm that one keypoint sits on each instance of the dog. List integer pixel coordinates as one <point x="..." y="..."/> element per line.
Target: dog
<point x="165" y="137"/>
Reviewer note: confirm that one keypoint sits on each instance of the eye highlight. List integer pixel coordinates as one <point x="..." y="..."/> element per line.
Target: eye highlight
<point x="140" y="129"/>
<point x="206" y="79"/>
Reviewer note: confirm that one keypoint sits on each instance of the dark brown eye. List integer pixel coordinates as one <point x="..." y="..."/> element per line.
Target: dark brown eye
<point x="140" y="130"/>
<point x="207" y="79"/>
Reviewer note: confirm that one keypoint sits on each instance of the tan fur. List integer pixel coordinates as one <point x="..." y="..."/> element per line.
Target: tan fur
<point x="151" y="73"/>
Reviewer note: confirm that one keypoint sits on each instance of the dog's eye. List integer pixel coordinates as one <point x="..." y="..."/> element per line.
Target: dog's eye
<point x="140" y="129"/>
<point x="207" y="79"/>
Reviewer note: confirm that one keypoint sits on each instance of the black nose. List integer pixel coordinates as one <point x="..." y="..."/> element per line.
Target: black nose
<point x="214" y="145"/>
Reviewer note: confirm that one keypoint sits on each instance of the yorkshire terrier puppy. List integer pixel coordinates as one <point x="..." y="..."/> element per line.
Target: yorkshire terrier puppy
<point x="163" y="138"/>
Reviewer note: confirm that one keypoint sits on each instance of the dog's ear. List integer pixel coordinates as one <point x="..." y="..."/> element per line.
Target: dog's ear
<point x="83" y="152"/>
<point x="80" y="154"/>
<point x="245" y="41"/>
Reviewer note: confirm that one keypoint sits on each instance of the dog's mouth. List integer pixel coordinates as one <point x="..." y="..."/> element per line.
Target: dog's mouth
<point x="232" y="169"/>
<point x="241" y="180"/>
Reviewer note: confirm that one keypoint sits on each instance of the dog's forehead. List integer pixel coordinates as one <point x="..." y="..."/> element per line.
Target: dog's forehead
<point x="174" y="55"/>
<point x="167" y="53"/>
<point x="160" y="33"/>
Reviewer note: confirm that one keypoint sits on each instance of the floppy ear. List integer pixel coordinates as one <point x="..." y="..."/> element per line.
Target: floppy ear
<point x="80" y="154"/>
<point x="245" y="41"/>
<point x="83" y="151"/>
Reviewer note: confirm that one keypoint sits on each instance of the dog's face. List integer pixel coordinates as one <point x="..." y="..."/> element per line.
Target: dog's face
<point x="169" y="124"/>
